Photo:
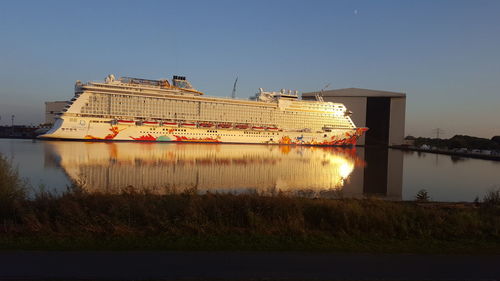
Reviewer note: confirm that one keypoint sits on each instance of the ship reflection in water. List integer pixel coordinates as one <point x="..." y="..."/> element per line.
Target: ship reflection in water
<point x="263" y="169"/>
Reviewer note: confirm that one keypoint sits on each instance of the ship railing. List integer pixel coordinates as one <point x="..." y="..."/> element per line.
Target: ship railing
<point x="131" y="85"/>
<point x="138" y="88"/>
<point x="105" y="85"/>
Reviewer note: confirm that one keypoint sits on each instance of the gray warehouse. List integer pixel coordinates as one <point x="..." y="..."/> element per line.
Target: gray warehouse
<point x="382" y="112"/>
<point x="52" y="108"/>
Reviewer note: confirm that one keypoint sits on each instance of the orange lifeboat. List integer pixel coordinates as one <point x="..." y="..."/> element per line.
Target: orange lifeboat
<point x="126" y="122"/>
<point x="170" y="124"/>
<point x="241" y="126"/>
<point x="206" y="125"/>
<point x="150" y="123"/>
<point x="224" y="125"/>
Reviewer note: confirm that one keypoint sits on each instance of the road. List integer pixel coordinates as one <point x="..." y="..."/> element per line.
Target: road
<point x="244" y="265"/>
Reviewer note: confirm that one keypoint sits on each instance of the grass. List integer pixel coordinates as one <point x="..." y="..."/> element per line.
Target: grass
<point x="12" y="189"/>
<point x="136" y="220"/>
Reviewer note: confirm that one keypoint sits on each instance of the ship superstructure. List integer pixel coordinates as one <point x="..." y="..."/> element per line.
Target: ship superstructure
<point x="156" y="110"/>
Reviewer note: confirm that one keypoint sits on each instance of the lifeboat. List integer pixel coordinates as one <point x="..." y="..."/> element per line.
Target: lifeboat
<point x="170" y="124"/>
<point x="126" y="122"/>
<point x="206" y="125"/>
<point x="150" y="123"/>
<point x="271" y="128"/>
<point x="241" y="126"/>
<point x="257" y="128"/>
<point x="224" y="126"/>
<point x="189" y="125"/>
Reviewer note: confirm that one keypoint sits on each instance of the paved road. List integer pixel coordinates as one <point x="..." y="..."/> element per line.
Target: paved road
<point x="244" y="265"/>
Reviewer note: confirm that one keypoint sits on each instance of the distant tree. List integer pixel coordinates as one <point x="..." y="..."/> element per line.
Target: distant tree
<point x="422" y="196"/>
<point x="460" y="141"/>
<point x="409" y="137"/>
<point x="496" y="139"/>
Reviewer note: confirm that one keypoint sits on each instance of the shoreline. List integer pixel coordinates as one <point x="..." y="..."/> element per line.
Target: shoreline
<point x="400" y="147"/>
<point x="447" y="152"/>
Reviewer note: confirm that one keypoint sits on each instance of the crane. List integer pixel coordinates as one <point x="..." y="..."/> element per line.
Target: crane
<point x="319" y="96"/>
<point x="233" y="94"/>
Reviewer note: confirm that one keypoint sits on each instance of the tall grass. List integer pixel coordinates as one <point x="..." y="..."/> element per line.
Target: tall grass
<point x="12" y="189"/>
<point x="141" y="214"/>
<point x="492" y="198"/>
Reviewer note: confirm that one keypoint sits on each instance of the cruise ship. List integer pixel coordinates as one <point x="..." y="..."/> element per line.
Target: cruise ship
<point x="133" y="109"/>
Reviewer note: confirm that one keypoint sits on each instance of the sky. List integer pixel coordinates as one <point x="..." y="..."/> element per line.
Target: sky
<point x="445" y="55"/>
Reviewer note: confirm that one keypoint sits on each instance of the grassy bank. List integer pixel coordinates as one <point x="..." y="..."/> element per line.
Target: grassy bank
<point x="141" y="221"/>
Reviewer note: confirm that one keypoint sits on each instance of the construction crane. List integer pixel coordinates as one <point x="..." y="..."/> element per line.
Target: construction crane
<point x="319" y="96"/>
<point x="233" y="95"/>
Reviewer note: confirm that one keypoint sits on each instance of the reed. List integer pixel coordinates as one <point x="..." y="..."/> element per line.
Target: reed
<point x="140" y="213"/>
<point x="12" y="189"/>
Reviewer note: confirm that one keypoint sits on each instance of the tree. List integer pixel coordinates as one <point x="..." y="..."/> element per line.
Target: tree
<point x="496" y="139"/>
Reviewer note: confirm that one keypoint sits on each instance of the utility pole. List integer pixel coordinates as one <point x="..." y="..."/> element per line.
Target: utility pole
<point x="438" y="131"/>
<point x="233" y="94"/>
<point x="12" y="117"/>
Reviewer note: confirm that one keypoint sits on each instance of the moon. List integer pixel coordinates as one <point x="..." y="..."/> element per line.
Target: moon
<point x="355" y="11"/>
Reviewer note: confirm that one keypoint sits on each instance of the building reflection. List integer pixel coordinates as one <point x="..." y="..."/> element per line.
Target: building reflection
<point x="384" y="174"/>
<point x="263" y="169"/>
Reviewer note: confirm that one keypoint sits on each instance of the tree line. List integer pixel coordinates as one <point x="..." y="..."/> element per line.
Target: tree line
<point x="459" y="141"/>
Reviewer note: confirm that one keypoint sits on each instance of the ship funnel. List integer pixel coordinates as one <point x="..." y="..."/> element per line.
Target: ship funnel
<point x="110" y="78"/>
<point x="181" y="82"/>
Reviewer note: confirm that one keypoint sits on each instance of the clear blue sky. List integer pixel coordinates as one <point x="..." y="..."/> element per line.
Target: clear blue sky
<point x="444" y="54"/>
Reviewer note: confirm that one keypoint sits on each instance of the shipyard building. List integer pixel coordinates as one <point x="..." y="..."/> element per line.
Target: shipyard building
<point x="52" y="108"/>
<point x="383" y="112"/>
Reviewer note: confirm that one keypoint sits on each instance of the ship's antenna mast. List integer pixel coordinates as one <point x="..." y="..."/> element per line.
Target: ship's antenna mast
<point x="319" y="96"/>
<point x="233" y="94"/>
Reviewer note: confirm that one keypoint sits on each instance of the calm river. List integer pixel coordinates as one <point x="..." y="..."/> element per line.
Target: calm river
<point x="262" y="169"/>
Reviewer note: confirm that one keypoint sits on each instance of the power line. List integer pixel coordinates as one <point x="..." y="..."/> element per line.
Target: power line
<point x="438" y="132"/>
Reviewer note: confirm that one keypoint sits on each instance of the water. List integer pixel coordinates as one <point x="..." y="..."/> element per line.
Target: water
<point x="262" y="169"/>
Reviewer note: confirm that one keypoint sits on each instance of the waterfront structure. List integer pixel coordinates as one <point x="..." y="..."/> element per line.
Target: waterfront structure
<point x="381" y="111"/>
<point x="155" y="110"/>
<point x="18" y="132"/>
<point x="52" y="109"/>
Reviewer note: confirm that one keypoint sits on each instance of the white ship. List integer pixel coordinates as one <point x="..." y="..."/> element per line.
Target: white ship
<point x="132" y="109"/>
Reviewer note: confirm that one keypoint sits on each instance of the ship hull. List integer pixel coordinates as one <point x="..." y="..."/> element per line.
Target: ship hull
<point x="102" y="130"/>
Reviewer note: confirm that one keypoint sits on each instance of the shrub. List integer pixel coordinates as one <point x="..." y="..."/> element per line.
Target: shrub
<point x="492" y="198"/>
<point x="422" y="196"/>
